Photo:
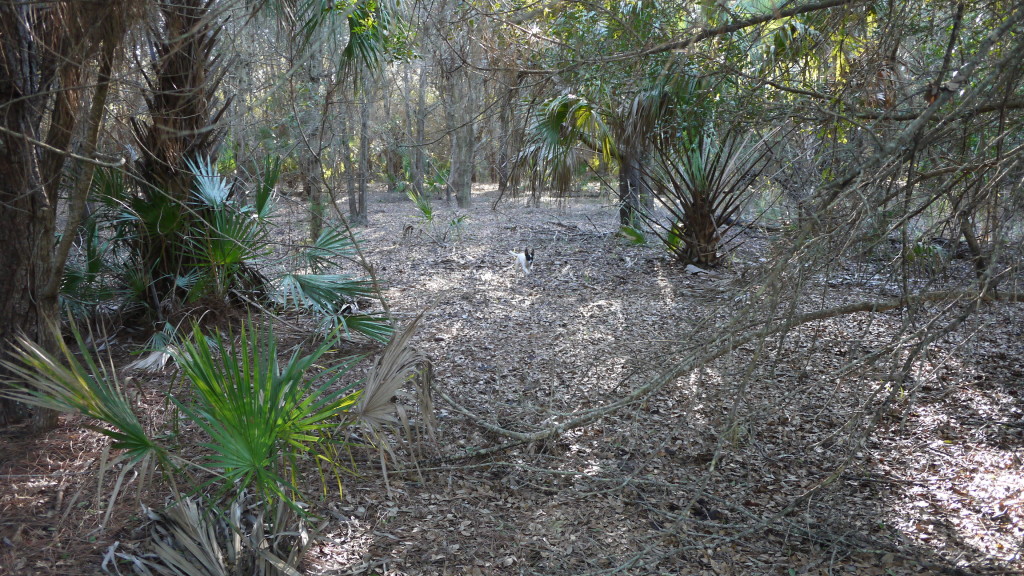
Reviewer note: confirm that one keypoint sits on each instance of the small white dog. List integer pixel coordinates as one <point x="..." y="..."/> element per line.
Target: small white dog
<point x="525" y="259"/>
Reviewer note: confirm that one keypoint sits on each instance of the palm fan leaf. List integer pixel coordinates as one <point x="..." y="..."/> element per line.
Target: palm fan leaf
<point x="398" y="363"/>
<point x="330" y="246"/>
<point x="328" y="294"/>
<point x="64" y="384"/>
<point x="190" y="539"/>
<point x="321" y="292"/>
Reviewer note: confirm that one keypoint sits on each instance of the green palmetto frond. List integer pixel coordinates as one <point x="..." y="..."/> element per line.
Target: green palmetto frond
<point x="228" y="239"/>
<point x="261" y="415"/>
<point x="324" y="293"/>
<point x="223" y="237"/>
<point x="330" y="246"/>
<point x="376" y="32"/>
<point x="374" y="326"/>
<point x="87" y="387"/>
<point x="65" y="384"/>
<point x="422" y="204"/>
<point x="83" y="286"/>
<point x="263" y="199"/>
<point x="327" y="295"/>
<point x="564" y="125"/>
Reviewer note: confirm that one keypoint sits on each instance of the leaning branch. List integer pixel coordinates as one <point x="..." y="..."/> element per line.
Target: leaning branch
<point x="730" y="28"/>
<point x="724" y="345"/>
<point x="900" y="145"/>
<point x="696" y="38"/>
<point x="69" y="154"/>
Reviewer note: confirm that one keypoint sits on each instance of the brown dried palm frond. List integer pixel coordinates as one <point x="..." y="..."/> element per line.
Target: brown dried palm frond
<point x="376" y="411"/>
<point x="192" y="539"/>
<point x="394" y="368"/>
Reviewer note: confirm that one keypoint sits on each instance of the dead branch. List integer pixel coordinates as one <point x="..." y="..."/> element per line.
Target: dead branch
<point x="720" y="347"/>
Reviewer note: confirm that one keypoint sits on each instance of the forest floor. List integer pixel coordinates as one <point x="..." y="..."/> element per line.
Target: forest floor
<point x="754" y="464"/>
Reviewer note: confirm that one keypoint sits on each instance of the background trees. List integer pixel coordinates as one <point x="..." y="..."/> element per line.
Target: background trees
<point x="916" y="105"/>
<point x="898" y="123"/>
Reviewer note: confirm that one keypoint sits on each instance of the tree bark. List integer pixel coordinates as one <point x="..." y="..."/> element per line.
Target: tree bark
<point x="463" y="139"/>
<point x="629" y="190"/>
<point x="418" y="165"/>
<point x="27" y="212"/>
<point x="361" y="216"/>
<point x="312" y="190"/>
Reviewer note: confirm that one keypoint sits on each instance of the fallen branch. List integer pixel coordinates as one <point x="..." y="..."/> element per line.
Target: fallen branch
<point x="720" y="347"/>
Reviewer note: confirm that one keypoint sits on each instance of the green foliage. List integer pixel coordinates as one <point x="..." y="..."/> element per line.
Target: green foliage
<point x="333" y="296"/>
<point x="322" y="291"/>
<point x="330" y="246"/>
<point x="552" y="153"/>
<point x="426" y="210"/>
<point x="84" y="282"/>
<point x="89" y="387"/>
<point x="266" y="421"/>
<point x="633" y="234"/>
<point x="263" y="203"/>
<point x="261" y="416"/>
<point x="66" y="384"/>
<point x="222" y="237"/>
<point x="926" y="258"/>
<point x="436" y="179"/>
<point x="440" y="233"/>
<point x="219" y="245"/>
<point x="456" y="224"/>
<point x="703" y="184"/>
<point x="160" y="246"/>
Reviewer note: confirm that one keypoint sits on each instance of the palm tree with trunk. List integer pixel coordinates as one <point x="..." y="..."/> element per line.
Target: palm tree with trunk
<point x="50" y="54"/>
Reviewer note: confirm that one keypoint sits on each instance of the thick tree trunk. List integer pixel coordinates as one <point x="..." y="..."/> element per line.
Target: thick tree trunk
<point x="183" y="126"/>
<point x="27" y="227"/>
<point x="44" y="49"/>
<point x="27" y="214"/>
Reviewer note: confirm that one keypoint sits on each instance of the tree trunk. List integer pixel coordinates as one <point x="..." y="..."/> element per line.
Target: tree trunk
<point x="463" y="144"/>
<point x="184" y="125"/>
<point x="348" y="164"/>
<point x="312" y="190"/>
<point x="27" y="225"/>
<point x="629" y="190"/>
<point x="27" y="214"/>
<point x="44" y="50"/>
<point x="418" y="165"/>
<point x="361" y="216"/>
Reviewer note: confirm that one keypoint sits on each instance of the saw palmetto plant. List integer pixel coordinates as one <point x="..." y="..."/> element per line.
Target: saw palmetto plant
<point x="266" y="419"/>
<point x="223" y="247"/>
<point x="262" y="416"/>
